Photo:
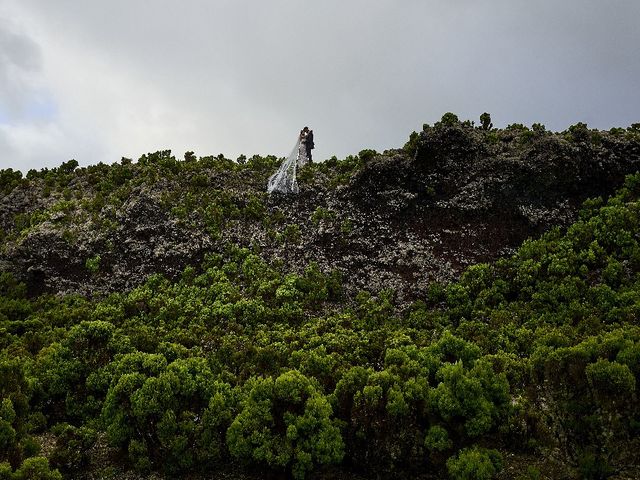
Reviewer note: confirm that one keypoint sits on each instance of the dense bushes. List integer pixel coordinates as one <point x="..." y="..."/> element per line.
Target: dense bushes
<point x="160" y="413"/>
<point x="240" y="362"/>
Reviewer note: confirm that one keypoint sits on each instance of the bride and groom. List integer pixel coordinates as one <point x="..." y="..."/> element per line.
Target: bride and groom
<point x="305" y="146"/>
<point x="284" y="180"/>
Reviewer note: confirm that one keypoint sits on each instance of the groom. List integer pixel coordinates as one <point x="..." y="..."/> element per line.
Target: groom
<point x="309" y="143"/>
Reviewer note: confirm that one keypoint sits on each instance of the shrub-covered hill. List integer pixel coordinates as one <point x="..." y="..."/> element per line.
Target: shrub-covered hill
<point x="252" y="355"/>
<point x="455" y="195"/>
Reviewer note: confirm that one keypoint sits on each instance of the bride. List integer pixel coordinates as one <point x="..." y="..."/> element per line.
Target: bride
<point x="284" y="180"/>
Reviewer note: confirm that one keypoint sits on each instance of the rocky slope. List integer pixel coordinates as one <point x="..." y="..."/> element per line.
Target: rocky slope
<point x="455" y="195"/>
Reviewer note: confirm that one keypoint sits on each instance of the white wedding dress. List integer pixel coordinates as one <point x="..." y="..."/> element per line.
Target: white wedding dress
<point x="284" y="180"/>
<point x="302" y="151"/>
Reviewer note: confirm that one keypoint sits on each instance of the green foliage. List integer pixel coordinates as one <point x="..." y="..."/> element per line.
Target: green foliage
<point x="93" y="263"/>
<point x="286" y="423"/>
<point x="578" y="132"/>
<point x="346" y="227"/>
<point x="471" y="402"/>
<point x="475" y="464"/>
<point x="6" y="472"/>
<point x="321" y="214"/>
<point x="66" y="370"/>
<point x="538" y="128"/>
<point x="255" y="208"/>
<point x="412" y="144"/>
<point x="68" y="167"/>
<point x="36" y="468"/>
<point x="339" y="172"/>
<point x="7" y="432"/>
<point x="16" y="420"/>
<point x="448" y="120"/>
<point x="437" y="439"/>
<point x="611" y="378"/>
<point x="367" y="155"/>
<point x="290" y="234"/>
<point x="162" y="414"/>
<point x="385" y="410"/>
<point x="9" y="179"/>
<point x="532" y="473"/>
<point x="517" y="127"/>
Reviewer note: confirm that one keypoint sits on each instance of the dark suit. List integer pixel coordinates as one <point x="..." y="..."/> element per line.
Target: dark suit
<point x="309" y="144"/>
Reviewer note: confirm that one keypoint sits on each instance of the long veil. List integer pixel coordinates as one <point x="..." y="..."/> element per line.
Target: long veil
<point x="284" y="180"/>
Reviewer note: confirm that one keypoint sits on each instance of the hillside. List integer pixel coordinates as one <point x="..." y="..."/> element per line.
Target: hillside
<point x="454" y="196"/>
<point x="451" y="309"/>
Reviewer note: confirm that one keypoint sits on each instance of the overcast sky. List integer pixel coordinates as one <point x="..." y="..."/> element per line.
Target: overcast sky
<point x="99" y="80"/>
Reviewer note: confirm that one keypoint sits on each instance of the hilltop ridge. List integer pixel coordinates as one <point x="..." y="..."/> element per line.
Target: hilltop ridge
<point x="454" y="195"/>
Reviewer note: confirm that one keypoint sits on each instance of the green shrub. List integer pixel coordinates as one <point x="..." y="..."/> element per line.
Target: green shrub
<point x="6" y="472"/>
<point x="412" y="144"/>
<point x="346" y="227"/>
<point x="539" y="128"/>
<point x="93" y="263"/>
<point x="448" y="120"/>
<point x="532" y="473"/>
<point x="15" y="395"/>
<point x="385" y="410"/>
<point x="162" y="414"/>
<point x="474" y="464"/>
<point x="437" y="439"/>
<point x="286" y="423"/>
<point x="255" y="208"/>
<point x="9" y="179"/>
<point x="476" y="400"/>
<point x="36" y="468"/>
<point x="367" y="155"/>
<point x="291" y="234"/>
<point x="68" y="167"/>
<point x="611" y="378"/>
<point x="65" y="370"/>
<point x="321" y="213"/>
<point x="578" y="132"/>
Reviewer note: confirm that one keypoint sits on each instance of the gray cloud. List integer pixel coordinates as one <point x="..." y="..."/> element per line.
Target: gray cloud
<point x="243" y="76"/>
<point x="20" y="59"/>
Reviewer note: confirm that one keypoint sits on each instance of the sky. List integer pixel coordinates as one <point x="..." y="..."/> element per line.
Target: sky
<point x="97" y="81"/>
